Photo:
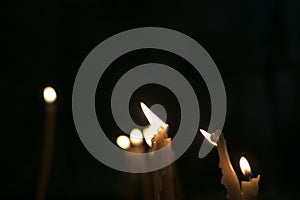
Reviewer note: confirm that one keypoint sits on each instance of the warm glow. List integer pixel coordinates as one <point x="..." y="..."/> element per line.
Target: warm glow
<point x="155" y="124"/>
<point x="136" y="137"/>
<point x="49" y="95"/>
<point x="245" y="167"/>
<point x="151" y="117"/>
<point x="147" y="112"/>
<point x="208" y="137"/>
<point x="148" y="134"/>
<point x="123" y="142"/>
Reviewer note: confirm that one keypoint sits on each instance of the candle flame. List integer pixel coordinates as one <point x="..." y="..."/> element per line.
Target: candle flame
<point x="245" y="167"/>
<point x="151" y="117"/>
<point x="148" y="134"/>
<point x="136" y="137"/>
<point x="209" y="137"/>
<point x="155" y="124"/>
<point x="49" y="95"/>
<point x="123" y="142"/>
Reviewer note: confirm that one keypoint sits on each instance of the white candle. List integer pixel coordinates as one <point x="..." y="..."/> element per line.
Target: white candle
<point x="249" y="188"/>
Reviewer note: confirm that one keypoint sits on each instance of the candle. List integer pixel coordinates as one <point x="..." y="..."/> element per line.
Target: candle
<point x="136" y="139"/>
<point x="229" y="178"/>
<point x="249" y="188"/>
<point x="124" y="142"/>
<point x="155" y="124"/>
<point x="163" y="184"/>
<point x="49" y="136"/>
<point x="135" y="144"/>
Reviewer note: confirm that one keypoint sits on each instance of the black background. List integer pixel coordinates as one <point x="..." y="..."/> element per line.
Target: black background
<point x="255" y="45"/>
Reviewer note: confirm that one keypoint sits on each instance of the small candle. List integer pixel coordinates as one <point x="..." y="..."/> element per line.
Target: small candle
<point x="249" y="188"/>
<point x="49" y="136"/>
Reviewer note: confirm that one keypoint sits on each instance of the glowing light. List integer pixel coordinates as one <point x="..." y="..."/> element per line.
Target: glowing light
<point x="49" y="95"/>
<point x="155" y="124"/>
<point x="136" y="137"/>
<point x="151" y="117"/>
<point x="208" y="136"/>
<point x="148" y="134"/>
<point x="245" y="167"/>
<point x="123" y="142"/>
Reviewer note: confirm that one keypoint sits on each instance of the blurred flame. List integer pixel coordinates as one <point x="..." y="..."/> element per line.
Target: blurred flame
<point x="123" y="142"/>
<point x="49" y="94"/>
<point x="136" y="137"/>
<point x="149" y="133"/>
<point x="245" y="167"/>
<point x="155" y="124"/>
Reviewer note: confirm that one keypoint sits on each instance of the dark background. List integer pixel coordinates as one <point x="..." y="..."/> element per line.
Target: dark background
<point x="255" y="45"/>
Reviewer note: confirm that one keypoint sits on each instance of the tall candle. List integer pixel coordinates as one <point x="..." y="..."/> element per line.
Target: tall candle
<point x="49" y="136"/>
<point x="163" y="184"/>
<point x="250" y="187"/>
<point x="135" y="144"/>
<point x="124" y="143"/>
<point x="136" y="139"/>
<point x="229" y="178"/>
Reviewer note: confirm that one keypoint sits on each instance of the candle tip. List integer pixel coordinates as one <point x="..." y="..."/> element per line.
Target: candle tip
<point x="212" y="138"/>
<point x="49" y="94"/>
<point x="245" y="167"/>
<point x="123" y="142"/>
<point x="136" y="137"/>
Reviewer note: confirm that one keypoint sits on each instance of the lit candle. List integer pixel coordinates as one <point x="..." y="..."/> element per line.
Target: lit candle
<point x="229" y="178"/>
<point x="156" y="137"/>
<point x="136" y="139"/>
<point x="50" y="115"/>
<point x="124" y="143"/>
<point x="249" y="188"/>
<point x="135" y="144"/>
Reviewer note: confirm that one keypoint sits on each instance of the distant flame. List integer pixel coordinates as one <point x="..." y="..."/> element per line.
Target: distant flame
<point x="245" y="167"/>
<point x="123" y="142"/>
<point x="49" y="94"/>
<point x="136" y="137"/>
<point x="155" y="124"/>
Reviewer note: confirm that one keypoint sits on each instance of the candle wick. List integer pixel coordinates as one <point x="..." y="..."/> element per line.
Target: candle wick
<point x="214" y="137"/>
<point x="248" y="176"/>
